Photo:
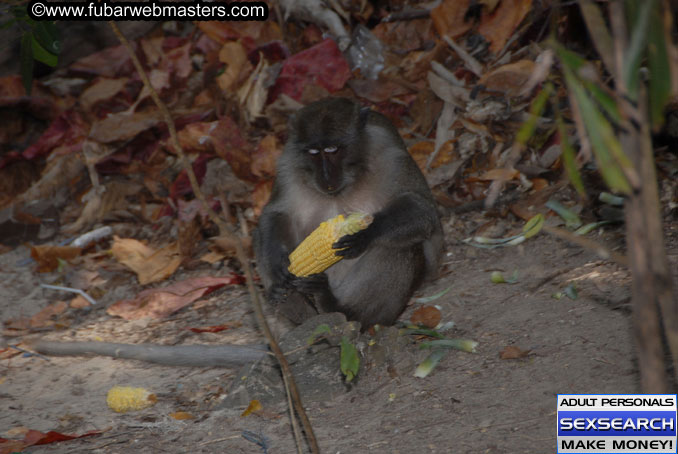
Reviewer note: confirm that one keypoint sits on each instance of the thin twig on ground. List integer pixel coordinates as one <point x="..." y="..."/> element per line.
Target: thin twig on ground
<point x="226" y="231"/>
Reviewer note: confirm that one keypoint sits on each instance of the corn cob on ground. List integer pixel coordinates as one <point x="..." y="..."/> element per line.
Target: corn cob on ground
<point x="315" y="253"/>
<point x="122" y="399"/>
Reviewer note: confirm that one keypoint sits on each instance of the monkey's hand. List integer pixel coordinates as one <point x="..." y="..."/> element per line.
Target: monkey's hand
<point x="353" y="245"/>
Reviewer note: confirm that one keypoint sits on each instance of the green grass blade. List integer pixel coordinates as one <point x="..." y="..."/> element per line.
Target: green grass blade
<point x="41" y="54"/>
<point x="569" y="158"/>
<point x="660" y="70"/>
<point x="597" y="28"/>
<point x="430" y="362"/>
<point x="600" y="134"/>
<point x="464" y="345"/>
<point x="536" y="109"/>
<point x="47" y="35"/>
<point x="571" y="218"/>
<point x="350" y="362"/>
<point x="636" y="49"/>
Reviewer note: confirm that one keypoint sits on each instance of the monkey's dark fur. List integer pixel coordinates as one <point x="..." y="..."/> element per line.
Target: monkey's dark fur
<point x="341" y="158"/>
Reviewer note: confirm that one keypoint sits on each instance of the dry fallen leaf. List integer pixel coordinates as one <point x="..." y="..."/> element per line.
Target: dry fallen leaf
<point x="238" y="66"/>
<point x="161" y="302"/>
<point x="253" y="407"/>
<point x="149" y="264"/>
<point x="322" y="65"/>
<point x="498" y="27"/>
<point x="260" y="195"/>
<point x="102" y="89"/>
<point x="265" y="155"/>
<point x="500" y="174"/>
<point x="123" y="125"/>
<point x="227" y="243"/>
<point x="253" y="94"/>
<point x="79" y="302"/>
<point x="508" y="79"/>
<point x="449" y="18"/>
<point x="428" y="316"/>
<point x="213" y="257"/>
<point x="7" y="353"/>
<point x="45" y="316"/>
<point x="181" y="415"/>
<point x="216" y="328"/>
<point x="48" y="256"/>
<point x="513" y="352"/>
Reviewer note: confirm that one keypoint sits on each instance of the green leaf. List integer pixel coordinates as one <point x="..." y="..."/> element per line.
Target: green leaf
<point x="430" y="362"/>
<point x="350" y="362"/>
<point x="428" y="299"/>
<point x="27" y="62"/>
<point x="605" y="100"/>
<point x="569" y="58"/>
<point x="464" y="345"/>
<point x="611" y="199"/>
<point x="636" y="49"/>
<point x="483" y="240"/>
<point x="571" y="219"/>
<point x="601" y="135"/>
<point x="595" y="23"/>
<point x="569" y="158"/>
<point x="317" y="332"/>
<point x="536" y="109"/>
<point x="576" y="64"/>
<point x="40" y="54"/>
<point x="422" y="332"/>
<point x="47" y="35"/>
<point x="660" y="69"/>
<point x="498" y="278"/>
<point x="533" y="226"/>
<point x="571" y="292"/>
<point x="585" y="229"/>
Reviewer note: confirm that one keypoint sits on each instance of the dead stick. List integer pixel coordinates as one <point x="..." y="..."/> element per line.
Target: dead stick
<point x="224" y="230"/>
<point x="594" y="246"/>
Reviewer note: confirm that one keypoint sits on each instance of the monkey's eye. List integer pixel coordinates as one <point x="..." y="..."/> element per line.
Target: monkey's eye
<point x="313" y="151"/>
<point x="330" y="149"/>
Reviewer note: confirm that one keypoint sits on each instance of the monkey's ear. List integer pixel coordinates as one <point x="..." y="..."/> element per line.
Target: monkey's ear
<point x="362" y="117"/>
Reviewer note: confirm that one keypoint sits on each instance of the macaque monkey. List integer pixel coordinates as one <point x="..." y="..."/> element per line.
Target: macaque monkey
<point x="341" y="158"/>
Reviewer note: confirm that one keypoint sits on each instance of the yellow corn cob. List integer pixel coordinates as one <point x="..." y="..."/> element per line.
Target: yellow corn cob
<point x="125" y="398"/>
<point x="315" y="253"/>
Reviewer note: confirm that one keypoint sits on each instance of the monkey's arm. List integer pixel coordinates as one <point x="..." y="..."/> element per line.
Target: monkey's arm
<point x="409" y="219"/>
<point x="168" y="355"/>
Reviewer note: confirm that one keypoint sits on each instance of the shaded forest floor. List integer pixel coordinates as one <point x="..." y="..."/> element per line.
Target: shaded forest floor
<point x="471" y="403"/>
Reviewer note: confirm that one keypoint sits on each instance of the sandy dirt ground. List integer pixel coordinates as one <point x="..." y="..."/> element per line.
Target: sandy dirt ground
<point x="471" y="403"/>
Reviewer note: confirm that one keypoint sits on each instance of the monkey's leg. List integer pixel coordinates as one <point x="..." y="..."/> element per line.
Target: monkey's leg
<point x="296" y="307"/>
<point x="377" y="286"/>
<point x="317" y="288"/>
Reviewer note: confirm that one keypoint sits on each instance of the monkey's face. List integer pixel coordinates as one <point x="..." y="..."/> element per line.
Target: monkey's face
<point x="326" y="139"/>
